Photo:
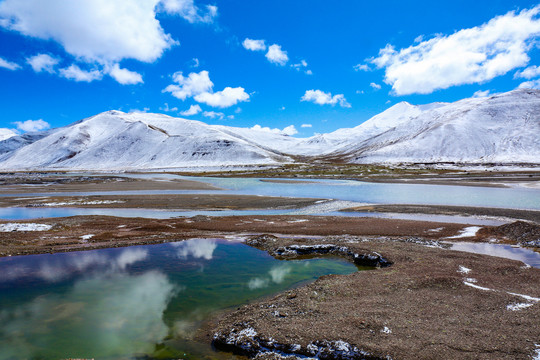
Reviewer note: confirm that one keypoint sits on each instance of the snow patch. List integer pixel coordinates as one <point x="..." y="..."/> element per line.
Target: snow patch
<point x="463" y="270"/>
<point x="477" y="287"/>
<point x="518" y="306"/>
<point x="467" y="232"/>
<point x="24" y="227"/>
<point x="386" y="330"/>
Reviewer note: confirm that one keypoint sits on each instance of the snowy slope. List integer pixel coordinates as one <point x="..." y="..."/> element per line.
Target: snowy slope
<point x="6" y="133"/>
<point x="503" y="128"/>
<point x="323" y="144"/>
<point x="116" y="140"/>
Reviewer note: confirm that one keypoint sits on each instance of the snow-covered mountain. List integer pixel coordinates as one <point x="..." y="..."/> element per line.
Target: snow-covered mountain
<point x="6" y="133"/>
<point x="504" y="128"/>
<point x="117" y="140"/>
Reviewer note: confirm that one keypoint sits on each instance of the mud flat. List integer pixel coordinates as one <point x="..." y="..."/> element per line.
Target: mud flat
<point x="516" y="214"/>
<point x="47" y="182"/>
<point x="169" y="201"/>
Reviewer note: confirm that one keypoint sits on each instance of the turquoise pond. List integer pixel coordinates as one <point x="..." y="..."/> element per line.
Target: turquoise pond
<point x="136" y="302"/>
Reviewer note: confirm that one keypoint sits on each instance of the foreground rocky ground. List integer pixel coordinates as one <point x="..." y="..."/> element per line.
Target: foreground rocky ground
<point x="429" y="304"/>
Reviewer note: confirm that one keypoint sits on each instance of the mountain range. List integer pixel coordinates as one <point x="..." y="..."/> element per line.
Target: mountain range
<point x="503" y="128"/>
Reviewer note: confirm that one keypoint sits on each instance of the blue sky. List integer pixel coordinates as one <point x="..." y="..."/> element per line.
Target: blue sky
<point x="315" y="65"/>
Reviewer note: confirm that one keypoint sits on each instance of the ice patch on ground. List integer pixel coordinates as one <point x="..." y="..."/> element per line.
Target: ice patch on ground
<point x="24" y="227"/>
<point x="77" y="202"/>
<point x="518" y="306"/>
<point x="467" y="232"/>
<point x="326" y="207"/>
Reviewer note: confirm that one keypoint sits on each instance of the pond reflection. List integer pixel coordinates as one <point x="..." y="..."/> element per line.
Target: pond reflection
<point x="138" y="301"/>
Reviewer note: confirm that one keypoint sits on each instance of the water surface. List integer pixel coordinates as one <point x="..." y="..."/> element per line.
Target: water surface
<point x="136" y="301"/>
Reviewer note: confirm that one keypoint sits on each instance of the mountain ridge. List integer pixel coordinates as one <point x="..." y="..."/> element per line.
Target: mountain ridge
<point x="503" y="128"/>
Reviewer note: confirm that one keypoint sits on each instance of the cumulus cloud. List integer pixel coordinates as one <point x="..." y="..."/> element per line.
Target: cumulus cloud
<point x="254" y="45"/>
<point x="167" y="108"/>
<point x="189" y="11"/>
<point x="361" y="67"/>
<point x="200" y="87"/>
<point x="468" y="56"/>
<point x="75" y="73"/>
<point x="289" y="130"/>
<point x="302" y="65"/>
<point x="276" y="55"/>
<point x="9" y="65"/>
<point x="42" y="62"/>
<point x="193" y="110"/>
<point x="93" y="30"/>
<point x="32" y="125"/>
<point x="533" y="84"/>
<point x="197" y="248"/>
<point x="375" y="86"/>
<point x="193" y="84"/>
<point x="322" y="98"/>
<point x="124" y="76"/>
<point x="481" y="94"/>
<point x="528" y="73"/>
<point x="225" y="98"/>
<point x="214" y="115"/>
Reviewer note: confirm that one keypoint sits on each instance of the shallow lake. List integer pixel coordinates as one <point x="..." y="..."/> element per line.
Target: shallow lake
<point x="353" y="192"/>
<point x="138" y="301"/>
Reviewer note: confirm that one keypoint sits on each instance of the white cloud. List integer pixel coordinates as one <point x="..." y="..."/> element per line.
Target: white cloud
<point x="197" y="248"/>
<point x="533" y="84"/>
<point x="528" y="73"/>
<point x="193" y="110"/>
<point x="196" y="63"/>
<point x="76" y="73"/>
<point x="9" y="65"/>
<point x="276" y="55"/>
<point x="468" y="56"/>
<point x="124" y="76"/>
<point x="361" y="67"/>
<point x="213" y="115"/>
<point x="193" y="84"/>
<point x="480" y="94"/>
<point x="306" y="125"/>
<point x="254" y="45"/>
<point x="168" y="109"/>
<point x="199" y="86"/>
<point x="189" y="11"/>
<point x="302" y="65"/>
<point x="102" y="31"/>
<point x="43" y="62"/>
<point x="322" y="98"/>
<point x="225" y="98"/>
<point x="375" y="86"/>
<point x="289" y="130"/>
<point x="32" y="125"/>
